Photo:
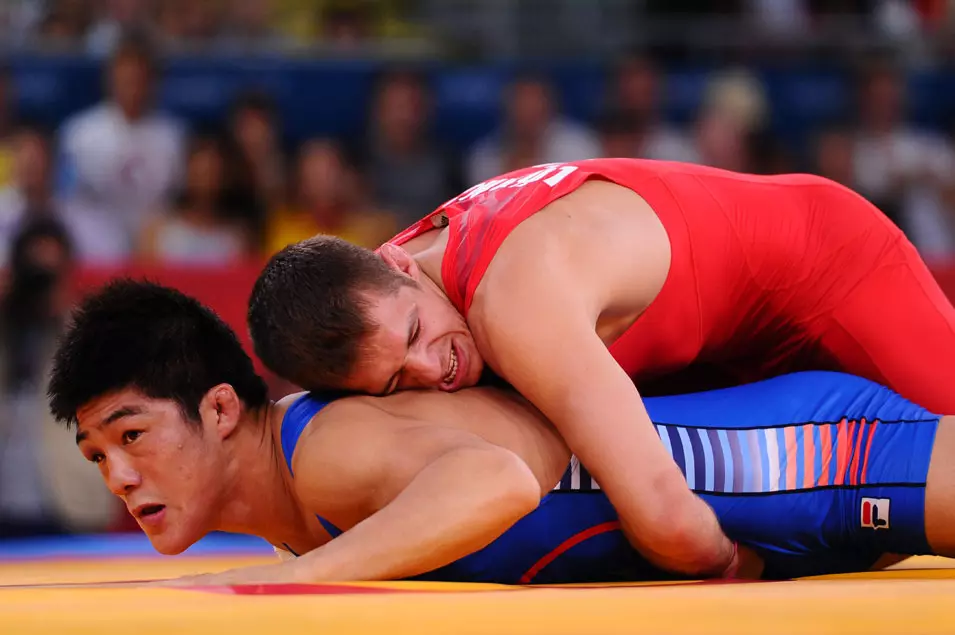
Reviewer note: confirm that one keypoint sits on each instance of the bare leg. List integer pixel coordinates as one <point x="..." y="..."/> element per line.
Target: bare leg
<point x="940" y="491"/>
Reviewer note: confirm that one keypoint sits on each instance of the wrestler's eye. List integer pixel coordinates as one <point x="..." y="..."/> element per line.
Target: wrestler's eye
<point x="97" y="458"/>
<point x="415" y="332"/>
<point x="131" y="435"/>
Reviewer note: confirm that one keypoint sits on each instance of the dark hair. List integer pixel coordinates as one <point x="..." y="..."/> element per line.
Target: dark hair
<point x="134" y="46"/>
<point x="403" y="75"/>
<point x="616" y="121"/>
<point x="253" y="100"/>
<point x="306" y="315"/>
<point x="33" y="128"/>
<point x="28" y="310"/>
<point x="226" y="200"/>
<point x="163" y="343"/>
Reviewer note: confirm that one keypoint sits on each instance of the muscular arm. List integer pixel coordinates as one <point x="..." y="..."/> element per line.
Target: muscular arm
<point x="568" y="373"/>
<point x="422" y="497"/>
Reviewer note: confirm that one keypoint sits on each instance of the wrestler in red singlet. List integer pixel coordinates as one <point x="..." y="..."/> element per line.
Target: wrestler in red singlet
<point x="767" y="275"/>
<point x="691" y="276"/>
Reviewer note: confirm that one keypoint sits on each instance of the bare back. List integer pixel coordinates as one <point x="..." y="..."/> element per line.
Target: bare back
<point x="501" y="418"/>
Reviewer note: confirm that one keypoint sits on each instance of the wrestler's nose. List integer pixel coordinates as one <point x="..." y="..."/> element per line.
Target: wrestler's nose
<point x="121" y="476"/>
<point x="423" y="368"/>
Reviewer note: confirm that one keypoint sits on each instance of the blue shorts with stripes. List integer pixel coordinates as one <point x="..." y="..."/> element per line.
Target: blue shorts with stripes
<point x="817" y="471"/>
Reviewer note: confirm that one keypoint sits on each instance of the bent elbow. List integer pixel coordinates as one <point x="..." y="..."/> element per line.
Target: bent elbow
<point x="518" y="491"/>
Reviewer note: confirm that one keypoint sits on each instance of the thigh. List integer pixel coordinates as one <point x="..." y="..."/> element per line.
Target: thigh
<point x="896" y="327"/>
<point x="940" y="491"/>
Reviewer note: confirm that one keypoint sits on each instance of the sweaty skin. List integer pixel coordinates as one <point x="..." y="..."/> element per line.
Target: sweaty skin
<point x="549" y="271"/>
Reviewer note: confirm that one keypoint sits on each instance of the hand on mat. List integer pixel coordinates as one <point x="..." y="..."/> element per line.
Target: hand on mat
<point x="750" y="565"/>
<point x="285" y="572"/>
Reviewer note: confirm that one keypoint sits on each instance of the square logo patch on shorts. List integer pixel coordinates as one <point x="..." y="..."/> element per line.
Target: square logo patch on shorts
<point x="875" y="513"/>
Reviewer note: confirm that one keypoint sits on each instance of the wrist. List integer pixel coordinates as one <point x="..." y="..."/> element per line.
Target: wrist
<point x="732" y="569"/>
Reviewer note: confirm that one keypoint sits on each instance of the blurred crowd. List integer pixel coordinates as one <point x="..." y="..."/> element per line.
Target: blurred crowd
<point x="123" y="181"/>
<point x="96" y="26"/>
<point x="127" y="181"/>
<point x="496" y="28"/>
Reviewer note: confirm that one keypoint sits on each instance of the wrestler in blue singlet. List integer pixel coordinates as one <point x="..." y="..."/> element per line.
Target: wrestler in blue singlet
<point x="818" y="472"/>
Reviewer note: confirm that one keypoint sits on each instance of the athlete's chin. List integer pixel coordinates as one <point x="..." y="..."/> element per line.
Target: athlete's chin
<point x="172" y="541"/>
<point x="475" y="369"/>
<point x="171" y="547"/>
<point x="470" y="381"/>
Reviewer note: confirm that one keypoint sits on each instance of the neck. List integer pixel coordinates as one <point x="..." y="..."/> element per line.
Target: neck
<point x="429" y="254"/>
<point x="260" y="501"/>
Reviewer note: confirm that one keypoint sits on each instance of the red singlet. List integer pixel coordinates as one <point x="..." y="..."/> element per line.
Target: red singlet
<point x="767" y="275"/>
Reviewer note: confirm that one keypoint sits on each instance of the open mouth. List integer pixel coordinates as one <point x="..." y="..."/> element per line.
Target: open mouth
<point x="149" y="511"/>
<point x="453" y="368"/>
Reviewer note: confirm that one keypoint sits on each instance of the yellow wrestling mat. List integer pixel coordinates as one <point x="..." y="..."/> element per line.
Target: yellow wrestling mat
<point x="914" y="597"/>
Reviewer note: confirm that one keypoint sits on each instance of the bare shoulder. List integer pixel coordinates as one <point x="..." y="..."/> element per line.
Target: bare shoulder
<point x="343" y="456"/>
<point x="597" y="216"/>
<point x="345" y="434"/>
<point x="601" y="244"/>
<point x="358" y="453"/>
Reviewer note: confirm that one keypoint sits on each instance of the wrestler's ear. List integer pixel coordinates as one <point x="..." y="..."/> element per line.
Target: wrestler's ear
<point x="400" y="260"/>
<point x="220" y="410"/>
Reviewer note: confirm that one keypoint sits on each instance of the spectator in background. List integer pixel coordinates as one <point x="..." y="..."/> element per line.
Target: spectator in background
<point x="6" y="127"/>
<point x="721" y="141"/>
<point x="732" y="118"/>
<point x="31" y="312"/>
<point x="409" y="175"/>
<point x="65" y="23"/>
<point x="186" y="23"/>
<point x="620" y="133"/>
<point x="345" y="24"/>
<point x="30" y="197"/>
<point x="18" y="21"/>
<point x="118" y="18"/>
<point x="120" y="159"/>
<point x="533" y="133"/>
<point x="635" y="95"/>
<point x="327" y="200"/>
<point x="200" y="229"/>
<point x="834" y="155"/>
<point x="902" y="170"/>
<point x="248" y="24"/>
<point x="260" y="164"/>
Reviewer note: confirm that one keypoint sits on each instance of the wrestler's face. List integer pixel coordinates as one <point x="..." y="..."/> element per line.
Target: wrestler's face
<point x="167" y="470"/>
<point x="421" y="341"/>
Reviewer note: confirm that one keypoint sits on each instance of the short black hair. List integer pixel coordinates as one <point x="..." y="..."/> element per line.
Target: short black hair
<point x="154" y="339"/>
<point x="254" y="100"/>
<point x="136" y="46"/>
<point x="616" y="121"/>
<point x="307" y="317"/>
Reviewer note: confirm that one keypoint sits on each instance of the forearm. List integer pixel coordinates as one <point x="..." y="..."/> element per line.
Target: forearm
<point x="608" y="428"/>
<point x="670" y="525"/>
<point x="457" y="505"/>
<point x="678" y="531"/>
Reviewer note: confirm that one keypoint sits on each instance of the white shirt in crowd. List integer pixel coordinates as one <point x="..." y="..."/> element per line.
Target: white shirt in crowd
<point x="96" y="238"/>
<point x="564" y="140"/>
<point x="879" y="160"/>
<point x="182" y="243"/>
<point x="121" y="169"/>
